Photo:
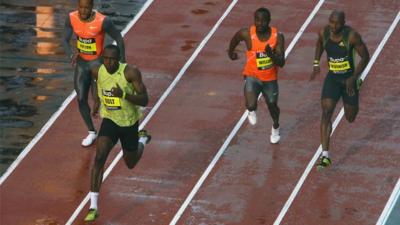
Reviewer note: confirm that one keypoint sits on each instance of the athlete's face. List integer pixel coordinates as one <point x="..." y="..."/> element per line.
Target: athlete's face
<point x="336" y="23"/>
<point x="261" y="21"/>
<point x="110" y="60"/>
<point x="85" y="8"/>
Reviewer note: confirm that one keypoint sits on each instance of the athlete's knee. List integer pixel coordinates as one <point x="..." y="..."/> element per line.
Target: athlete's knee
<point x="251" y="107"/>
<point x="82" y="101"/>
<point x="100" y="159"/>
<point x="351" y="117"/>
<point x="132" y="161"/>
<point x="326" y="113"/>
<point x="99" y="162"/>
<point x="131" y="164"/>
<point x="273" y="105"/>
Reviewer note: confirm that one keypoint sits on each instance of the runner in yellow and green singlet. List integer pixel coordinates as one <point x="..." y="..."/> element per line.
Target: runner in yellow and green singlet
<point x="120" y="94"/>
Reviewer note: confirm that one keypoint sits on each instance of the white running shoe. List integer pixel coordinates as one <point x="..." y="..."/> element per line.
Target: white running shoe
<point x="275" y="135"/>
<point x="89" y="139"/>
<point x="252" y="117"/>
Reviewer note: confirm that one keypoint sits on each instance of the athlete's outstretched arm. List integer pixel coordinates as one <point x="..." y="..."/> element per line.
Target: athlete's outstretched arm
<point x="319" y="49"/>
<point x="68" y="31"/>
<point x="110" y="29"/>
<point x="359" y="46"/>
<point x="94" y="71"/>
<point x="236" y="39"/>
<point x="277" y="56"/>
<point x="134" y="76"/>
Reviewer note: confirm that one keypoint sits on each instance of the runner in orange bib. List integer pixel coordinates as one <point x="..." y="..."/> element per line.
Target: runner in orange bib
<point x="265" y="53"/>
<point x="90" y="28"/>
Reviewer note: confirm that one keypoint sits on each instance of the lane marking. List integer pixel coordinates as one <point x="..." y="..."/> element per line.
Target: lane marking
<point x="390" y="204"/>
<point x="60" y="110"/>
<point x="334" y="125"/>
<point x="159" y="102"/>
<point x="236" y="128"/>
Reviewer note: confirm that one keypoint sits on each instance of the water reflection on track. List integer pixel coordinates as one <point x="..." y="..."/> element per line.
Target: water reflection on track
<point x="35" y="75"/>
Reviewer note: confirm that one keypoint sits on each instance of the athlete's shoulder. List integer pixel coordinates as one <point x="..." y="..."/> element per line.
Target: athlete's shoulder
<point x="245" y="31"/>
<point x="131" y="71"/>
<point x="73" y="13"/>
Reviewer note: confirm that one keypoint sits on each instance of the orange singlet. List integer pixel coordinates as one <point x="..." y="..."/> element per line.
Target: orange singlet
<point x="89" y="35"/>
<point x="258" y="64"/>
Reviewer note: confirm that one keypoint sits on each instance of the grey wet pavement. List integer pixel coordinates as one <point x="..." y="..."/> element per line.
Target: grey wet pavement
<point x="35" y="75"/>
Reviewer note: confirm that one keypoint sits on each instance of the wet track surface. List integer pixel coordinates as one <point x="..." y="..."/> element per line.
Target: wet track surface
<point x="35" y="75"/>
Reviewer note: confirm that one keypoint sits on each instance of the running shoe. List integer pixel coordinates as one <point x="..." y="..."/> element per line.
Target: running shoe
<point x="144" y="134"/>
<point x="89" y="140"/>
<point x="92" y="215"/>
<point x="275" y="135"/>
<point x="252" y="117"/>
<point x="324" y="163"/>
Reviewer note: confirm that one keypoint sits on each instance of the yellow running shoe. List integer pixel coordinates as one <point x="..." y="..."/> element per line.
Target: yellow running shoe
<point x="92" y="215"/>
<point x="324" y="163"/>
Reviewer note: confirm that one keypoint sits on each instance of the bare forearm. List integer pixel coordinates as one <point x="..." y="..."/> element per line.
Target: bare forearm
<point x="278" y="59"/>
<point x="141" y="99"/>
<point x="318" y="51"/>
<point x="361" y="66"/>
<point x="67" y="37"/>
<point x="232" y="45"/>
<point x="121" y="46"/>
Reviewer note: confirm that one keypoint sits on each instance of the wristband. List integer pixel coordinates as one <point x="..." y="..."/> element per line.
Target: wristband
<point x="316" y="62"/>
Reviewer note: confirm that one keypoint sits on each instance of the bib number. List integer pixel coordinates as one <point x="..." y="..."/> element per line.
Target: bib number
<point x="86" y="45"/>
<point x="263" y="61"/>
<point x="111" y="102"/>
<point x="339" y="67"/>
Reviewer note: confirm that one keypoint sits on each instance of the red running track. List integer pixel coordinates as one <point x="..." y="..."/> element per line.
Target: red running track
<point x="253" y="179"/>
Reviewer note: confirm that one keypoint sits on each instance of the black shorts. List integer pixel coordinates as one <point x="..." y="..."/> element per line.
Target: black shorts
<point x="335" y="88"/>
<point x="127" y="135"/>
<point x="269" y="89"/>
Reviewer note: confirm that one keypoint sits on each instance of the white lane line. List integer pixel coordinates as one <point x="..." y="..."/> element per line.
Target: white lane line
<point x="60" y="110"/>
<point x="236" y="128"/>
<point x="159" y="102"/>
<point x="390" y="204"/>
<point x="334" y="125"/>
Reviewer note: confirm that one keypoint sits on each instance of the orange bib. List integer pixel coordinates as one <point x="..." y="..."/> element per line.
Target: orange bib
<point x="258" y="64"/>
<point x="89" y="36"/>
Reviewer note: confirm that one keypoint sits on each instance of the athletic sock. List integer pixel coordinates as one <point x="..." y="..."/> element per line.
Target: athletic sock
<point x="93" y="199"/>
<point x="143" y="140"/>
<point x="325" y="154"/>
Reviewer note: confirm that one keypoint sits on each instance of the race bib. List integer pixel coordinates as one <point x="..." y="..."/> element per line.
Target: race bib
<point x="263" y="61"/>
<point x="339" y="65"/>
<point x="86" y="45"/>
<point x="111" y="102"/>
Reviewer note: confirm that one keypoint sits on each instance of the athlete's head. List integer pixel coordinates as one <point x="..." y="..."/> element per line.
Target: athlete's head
<point x="336" y="21"/>
<point x="111" y="56"/>
<point x="262" y="17"/>
<point x="85" y="8"/>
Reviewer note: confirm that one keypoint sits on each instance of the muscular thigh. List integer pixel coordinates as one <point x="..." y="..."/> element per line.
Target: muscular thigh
<point x="270" y="91"/>
<point x="129" y="137"/>
<point x="351" y="101"/>
<point x="82" y="76"/>
<point x="252" y="85"/>
<point x="109" y="129"/>
<point x="332" y="88"/>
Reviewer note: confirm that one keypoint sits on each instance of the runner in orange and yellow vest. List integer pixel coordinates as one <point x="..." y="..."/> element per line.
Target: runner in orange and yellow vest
<point x="342" y="81"/>
<point x="265" y="53"/>
<point x="90" y="28"/>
